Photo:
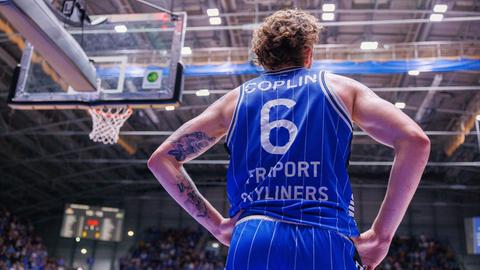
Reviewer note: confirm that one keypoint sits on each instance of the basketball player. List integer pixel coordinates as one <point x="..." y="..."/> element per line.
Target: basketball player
<point x="288" y="133"/>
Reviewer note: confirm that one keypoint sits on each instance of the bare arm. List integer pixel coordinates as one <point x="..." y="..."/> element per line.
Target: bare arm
<point x="389" y="126"/>
<point x="188" y="142"/>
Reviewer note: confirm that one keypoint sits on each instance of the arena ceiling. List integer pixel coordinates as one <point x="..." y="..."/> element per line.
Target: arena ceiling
<point x="47" y="159"/>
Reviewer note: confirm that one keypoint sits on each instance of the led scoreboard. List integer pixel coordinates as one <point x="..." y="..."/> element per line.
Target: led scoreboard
<point x="91" y="222"/>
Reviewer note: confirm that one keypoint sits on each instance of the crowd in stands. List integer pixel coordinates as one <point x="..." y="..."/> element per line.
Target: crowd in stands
<point x="419" y="253"/>
<point x="184" y="249"/>
<point x="177" y="249"/>
<point x="172" y="250"/>
<point x="20" y="248"/>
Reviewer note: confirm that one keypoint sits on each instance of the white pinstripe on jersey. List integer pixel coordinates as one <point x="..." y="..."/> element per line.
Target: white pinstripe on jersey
<point x="322" y="135"/>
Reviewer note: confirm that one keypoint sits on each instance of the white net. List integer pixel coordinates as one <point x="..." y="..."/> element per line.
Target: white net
<point x="107" y="121"/>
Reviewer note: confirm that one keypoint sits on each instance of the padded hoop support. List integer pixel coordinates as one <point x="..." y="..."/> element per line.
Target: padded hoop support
<point x="36" y="22"/>
<point x="126" y="85"/>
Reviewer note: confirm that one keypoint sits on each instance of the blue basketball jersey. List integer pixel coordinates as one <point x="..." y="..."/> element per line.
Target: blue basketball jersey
<point x="289" y="145"/>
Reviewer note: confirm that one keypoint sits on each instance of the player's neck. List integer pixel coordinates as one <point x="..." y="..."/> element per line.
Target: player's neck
<point x="285" y="67"/>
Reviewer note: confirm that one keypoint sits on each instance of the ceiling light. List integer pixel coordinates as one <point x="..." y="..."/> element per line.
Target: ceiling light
<point x="440" y="8"/>
<point x="369" y="45"/>
<point x="413" y="72"/>
<point x="83" y="251"/>
<point x="328" y="7"/>
<point x="186" y="51"/>
<point x="215" y="245"/>
<point x="215" y="20"/>
<point x="436" y="17"/>
<point x="212" y="12"/>
<point x="169" y="108"/>
<point x="328" y="16"/>
<point x="121" y="28"/>
<point x="77" y="239"/>
<point x="400" y="105"/>
<point x="130" y="233"/>
<point x="202" y="93"/>
<point x="98" y="20"/>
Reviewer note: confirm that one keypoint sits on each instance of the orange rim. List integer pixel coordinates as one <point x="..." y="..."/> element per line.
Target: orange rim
<point x="102" y="113"/>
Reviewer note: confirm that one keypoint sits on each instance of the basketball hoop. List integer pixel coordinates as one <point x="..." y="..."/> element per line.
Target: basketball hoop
<point x="107" y="121"/>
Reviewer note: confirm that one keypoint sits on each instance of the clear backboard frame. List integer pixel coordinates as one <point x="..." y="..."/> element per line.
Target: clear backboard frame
<point x="116" y="61"/>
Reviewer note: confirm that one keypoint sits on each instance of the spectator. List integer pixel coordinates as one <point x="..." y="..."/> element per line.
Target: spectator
<point x="419" y="253"/>
<point x="20" y="249"/>
<point x="172" y="249"/>
<point x="175" y="249"/>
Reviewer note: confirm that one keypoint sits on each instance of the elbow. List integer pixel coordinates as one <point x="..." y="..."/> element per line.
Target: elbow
<point x="422" y="144"/>
<point x="422" y="141"/>
<point x="160" y="158"/>
<point x="152" y="161"/>
<point x="156" y="159"/>
<point x="417" y="141"/>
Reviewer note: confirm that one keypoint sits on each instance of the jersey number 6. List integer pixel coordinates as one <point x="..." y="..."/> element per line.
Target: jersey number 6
<point x="267" y="126"/>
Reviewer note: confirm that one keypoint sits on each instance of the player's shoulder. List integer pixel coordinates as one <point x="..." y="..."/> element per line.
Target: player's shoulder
<point x="222" y="109"/>
<point x="230" y="98"/>
<point x="340" y="81"/>
<point x="344" y="87"/>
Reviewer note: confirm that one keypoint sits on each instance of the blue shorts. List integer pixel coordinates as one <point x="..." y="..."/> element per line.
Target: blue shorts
<point x="263" y="243"/>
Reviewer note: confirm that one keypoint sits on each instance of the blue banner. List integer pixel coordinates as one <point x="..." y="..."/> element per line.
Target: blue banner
<point x="476" y="235"/>
<point x="339" y="67"/>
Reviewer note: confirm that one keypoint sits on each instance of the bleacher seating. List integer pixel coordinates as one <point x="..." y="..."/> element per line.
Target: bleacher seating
<point x="176" y="250"/>
<point x="419" y="253"/>
<point x="172" y="250"/>
<point x="20" y="248"/>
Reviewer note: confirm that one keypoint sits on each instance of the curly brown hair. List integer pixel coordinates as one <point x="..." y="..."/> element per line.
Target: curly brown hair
<point x="282" y="37"/>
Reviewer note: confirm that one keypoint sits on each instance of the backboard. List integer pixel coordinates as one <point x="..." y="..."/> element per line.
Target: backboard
<point x="137" y="62"/>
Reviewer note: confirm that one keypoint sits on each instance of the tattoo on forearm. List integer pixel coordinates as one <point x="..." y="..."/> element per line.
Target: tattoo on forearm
<point x="194" y="198"/>
<point x="189" y="144"/>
